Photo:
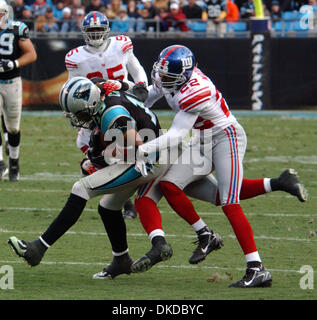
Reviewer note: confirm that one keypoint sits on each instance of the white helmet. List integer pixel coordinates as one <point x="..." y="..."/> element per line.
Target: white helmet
<point x="4" y="13"/>
<point x="80" y="101"/>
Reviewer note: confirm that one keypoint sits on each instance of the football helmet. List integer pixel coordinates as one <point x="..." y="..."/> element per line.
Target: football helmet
<point x="80" y="100"/>
<point x="173" y="67"/>
<point x="95" y="28"/>
<point x="4" y="13"/>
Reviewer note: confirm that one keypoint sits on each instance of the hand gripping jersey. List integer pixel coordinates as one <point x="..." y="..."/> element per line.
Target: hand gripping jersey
<point x="199" y="95"/>
<point x="9" y="45"/>
<point x="108" y="64"/>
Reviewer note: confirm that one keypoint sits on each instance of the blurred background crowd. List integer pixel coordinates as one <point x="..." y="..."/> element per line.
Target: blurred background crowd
<point x="150" y="15"/>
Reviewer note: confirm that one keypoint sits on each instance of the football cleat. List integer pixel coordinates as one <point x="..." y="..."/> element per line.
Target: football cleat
<point x="159" y="252"/>
<point x="207" y="241"/>
<point x="3" y="169"/>
<point x="119" y="265"/>
<point x="14" y="171"/>
<point x="32" y="252"/>
<point x="289" y="182"/>
<point x="254" y="278"/>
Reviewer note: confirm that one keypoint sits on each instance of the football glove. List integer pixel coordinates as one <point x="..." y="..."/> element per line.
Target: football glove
<point x="140" y="91"/>
<point x="7" y="65"/>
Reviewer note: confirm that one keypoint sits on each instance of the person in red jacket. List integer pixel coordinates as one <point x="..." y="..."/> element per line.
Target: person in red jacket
<point x="175" y="18"/>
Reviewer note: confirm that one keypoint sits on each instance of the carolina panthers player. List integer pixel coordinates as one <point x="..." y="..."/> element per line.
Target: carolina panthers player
<point x="125" y="118"/>
<point x="108" y="58"/>
<point x="219" y="143"/>
<point x="16" y="51"/>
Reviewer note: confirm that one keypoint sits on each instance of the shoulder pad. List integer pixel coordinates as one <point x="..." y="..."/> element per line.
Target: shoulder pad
<point x="124" y="43"/>
<point x="20" y="29"/>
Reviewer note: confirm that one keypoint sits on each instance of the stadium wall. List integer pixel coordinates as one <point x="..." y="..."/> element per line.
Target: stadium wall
<point x="293" y="69"/>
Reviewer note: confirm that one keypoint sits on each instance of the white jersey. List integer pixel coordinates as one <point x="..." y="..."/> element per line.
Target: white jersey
<point x="200" y="96"/>
<point x="115" y="60"/>
<point x="112" y="63"/>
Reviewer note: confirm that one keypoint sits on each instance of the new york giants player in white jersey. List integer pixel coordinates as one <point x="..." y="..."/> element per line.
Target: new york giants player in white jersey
<point x="219" y="140"/>
<point x="106" y="58"/>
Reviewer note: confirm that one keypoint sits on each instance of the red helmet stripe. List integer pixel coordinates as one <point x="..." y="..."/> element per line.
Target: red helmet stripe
<point x="168" y="53"/>
<point x="95" y="16"/>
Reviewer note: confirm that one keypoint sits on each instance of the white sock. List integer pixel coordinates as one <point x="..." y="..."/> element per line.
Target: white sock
<point x="253" y="256"/>
<point x="1" y="155"/>
<point x="118" y="254"/>
<point x="14" y="152"/>
<point x="44" y="242"/>
<point x="155" y="233"/>
<point x="267" y="185"/>
<point x="199" y="225"/>
<point x="5" y="137"/>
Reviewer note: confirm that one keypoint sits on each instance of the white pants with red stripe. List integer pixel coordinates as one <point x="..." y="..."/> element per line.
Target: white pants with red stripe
<point x="225" y="155"/>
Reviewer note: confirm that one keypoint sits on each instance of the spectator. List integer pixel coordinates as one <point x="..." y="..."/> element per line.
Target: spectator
<point x="161" y="5"/>
<point x="149" y="11"/>
<point x="58" y="10"/>
<point x="247" y="10"/>
<point x="27" y="18"/>
<point x="215" y="13"/>
<point x="75" y="5"/>
<point x="112" y="11"/>
<point x="275" y="10"/>
<point x="121" y="22"/>
<point x="192" y="10"/>
<point x="18" y="9"/>
<point x="39" y="8"/>
<point x="232" y="12"/>
<point x="79" y="16"/>
<point x="47" y="23"/>
<point x="68" y="24"/>
<point x="176" y="19"/>
<point x="135" y="20"/>
<point x="95" y="5"/>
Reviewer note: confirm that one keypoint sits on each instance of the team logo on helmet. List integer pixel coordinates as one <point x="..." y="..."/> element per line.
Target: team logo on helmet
<point x="82" y="92"/>
<point x="187" y="62"/>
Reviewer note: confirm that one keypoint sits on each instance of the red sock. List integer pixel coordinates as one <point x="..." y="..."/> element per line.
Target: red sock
<point x="241" y="227"/>
<point x="149" y="214"/>
<point x="179" y="202"/>
<point x="249" y="188"/>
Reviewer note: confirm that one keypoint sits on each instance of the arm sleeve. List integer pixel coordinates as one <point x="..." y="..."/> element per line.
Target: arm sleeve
<point x="136" y="70"/>
<point x="181" y="126"/>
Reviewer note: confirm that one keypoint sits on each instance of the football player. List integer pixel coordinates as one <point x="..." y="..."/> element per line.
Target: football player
<point x="219" y="143"/>
<point x="107" y="58"/>
<point x="16" y="51"/>
<point x="120" y="115"/>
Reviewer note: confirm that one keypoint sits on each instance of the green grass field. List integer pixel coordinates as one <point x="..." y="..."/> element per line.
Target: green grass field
<point x="284" y="228"/>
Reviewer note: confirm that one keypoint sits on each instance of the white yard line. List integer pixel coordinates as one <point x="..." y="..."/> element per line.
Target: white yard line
<point x="203" y="213"/>
<point x="230" y="236"/>
<point x="79" y="263"/>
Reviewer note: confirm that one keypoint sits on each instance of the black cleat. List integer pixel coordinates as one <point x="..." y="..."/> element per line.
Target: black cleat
<point x="289" y="182"/>
<point x="119" y="265"/>
<point x="3" y="169"/>
<point x="129" y="210"/>
<point x="14" y="171"/>
<point x="207" y="242"/>
<point x="32" y="252"/>
<point x="160" y="252"/>
<point x="254" y="278"/>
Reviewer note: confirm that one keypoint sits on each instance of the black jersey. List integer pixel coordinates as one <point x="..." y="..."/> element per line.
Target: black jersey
<point x="9" y="45"/>
<point x="215" y="7"/>
<point x="122" y="110"/>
